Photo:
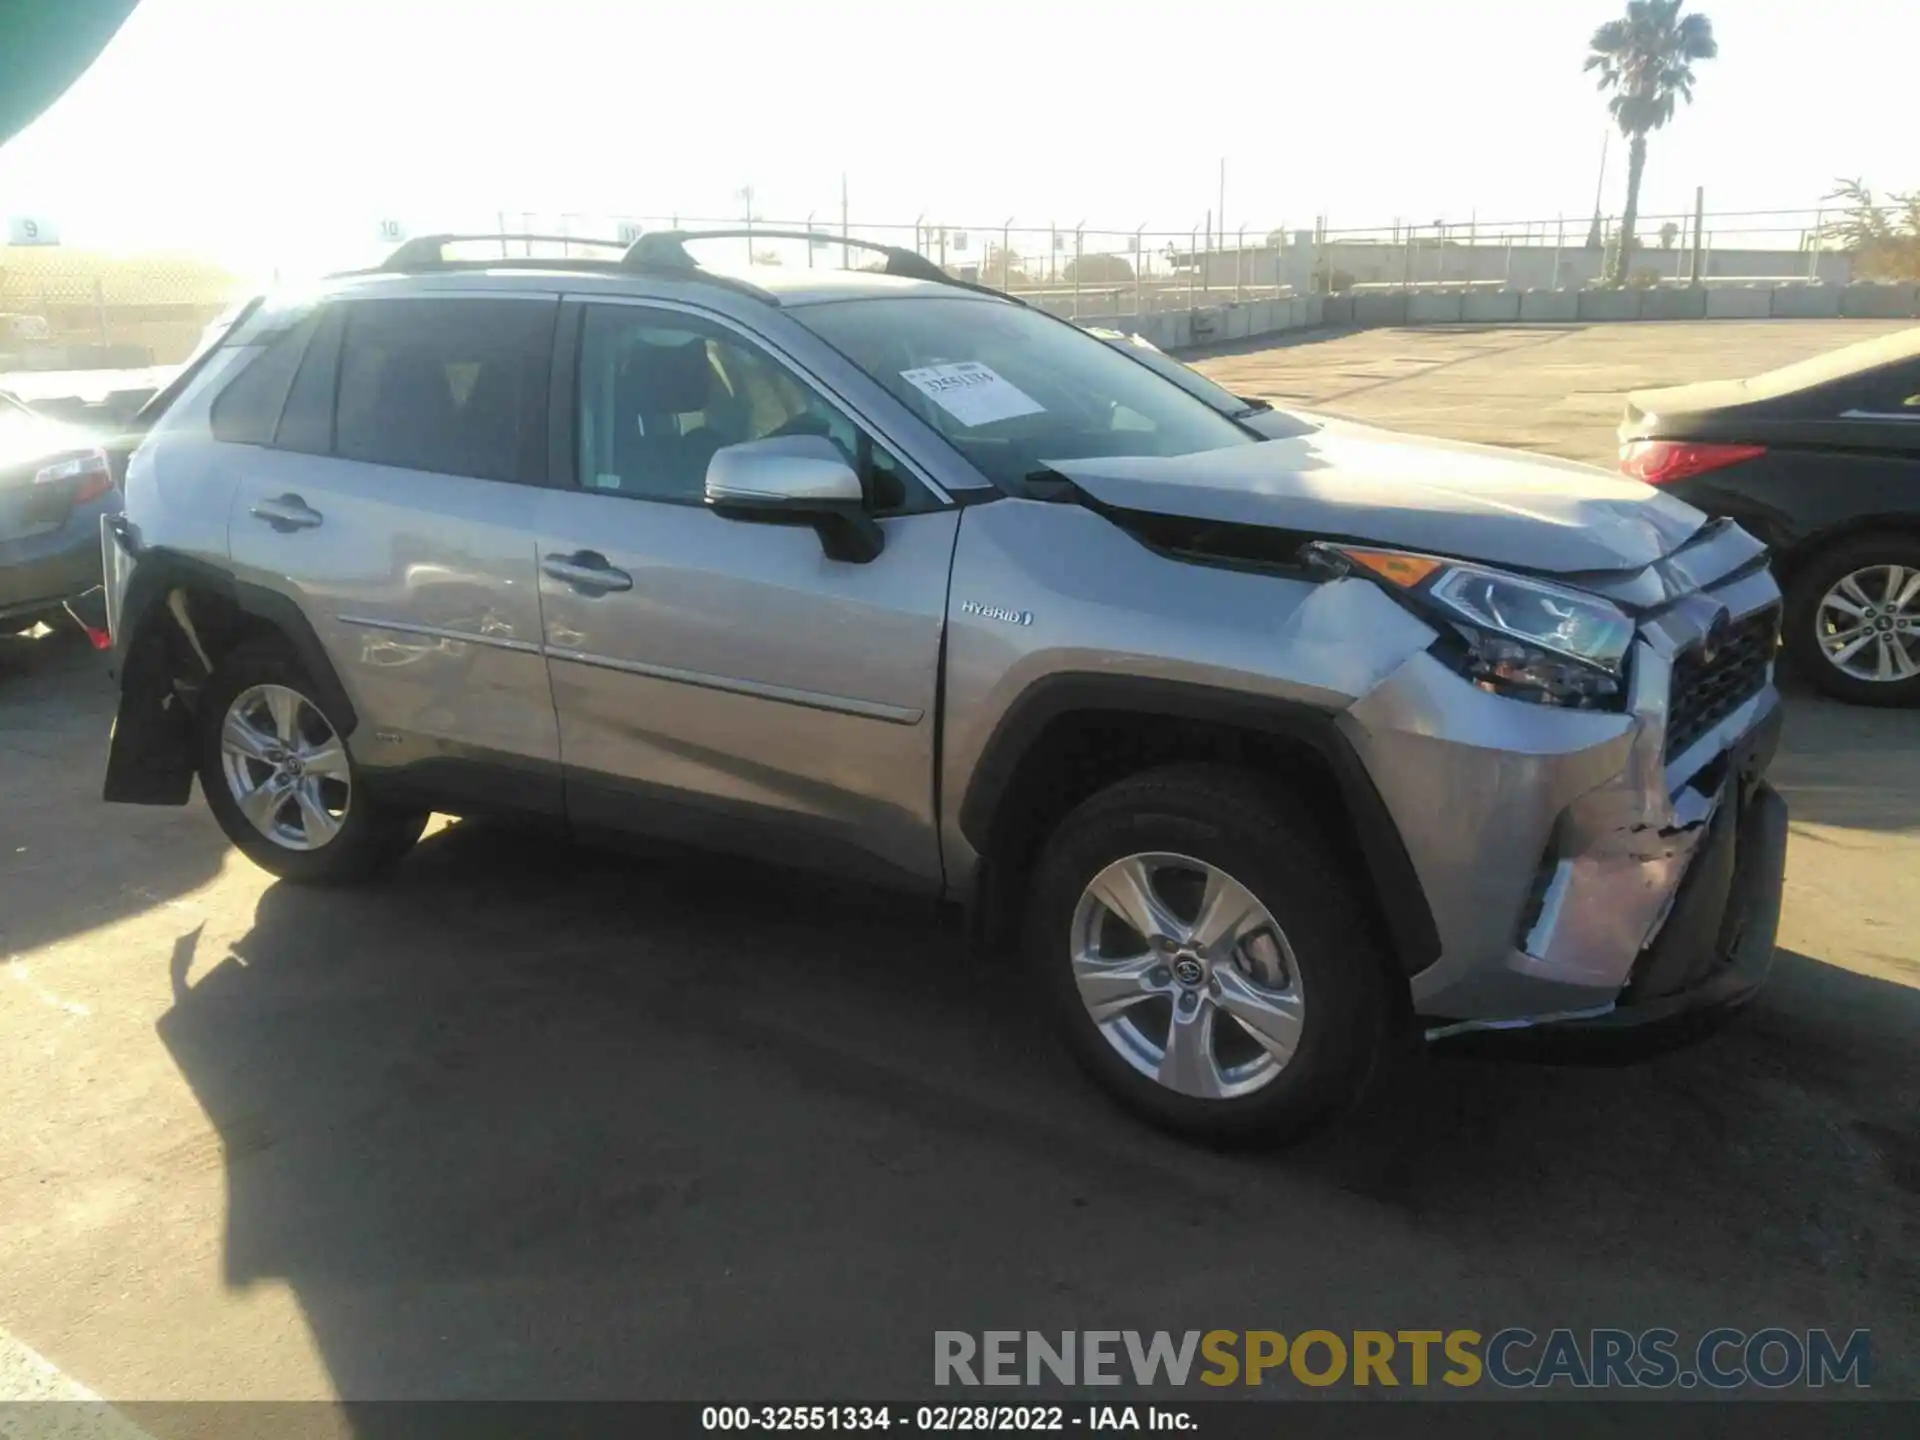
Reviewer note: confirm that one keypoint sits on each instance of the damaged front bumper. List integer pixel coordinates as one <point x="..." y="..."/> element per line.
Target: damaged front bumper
<point x="1593" y="870"/>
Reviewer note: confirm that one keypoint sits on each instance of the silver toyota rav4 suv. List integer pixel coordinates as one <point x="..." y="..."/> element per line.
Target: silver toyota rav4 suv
<point x="1270" y="744"/>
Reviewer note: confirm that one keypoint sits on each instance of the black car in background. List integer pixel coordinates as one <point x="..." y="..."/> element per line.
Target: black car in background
<point x="1821" y="460"/>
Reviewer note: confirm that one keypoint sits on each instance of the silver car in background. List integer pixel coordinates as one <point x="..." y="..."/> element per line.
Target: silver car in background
<point x="55" y="485"/>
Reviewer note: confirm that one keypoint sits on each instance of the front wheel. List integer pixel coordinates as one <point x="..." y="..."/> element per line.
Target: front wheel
<point x="278" y="778"/>
<point x="1204" y="961"/>
<point x="1853" y="620"/>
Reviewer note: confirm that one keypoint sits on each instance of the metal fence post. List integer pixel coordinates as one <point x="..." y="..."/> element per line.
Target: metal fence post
<point x="1695" y="273"/>
<point x="1193" y="259"/>
<point x="1239" y="258"/>
<point x="1079" y="240"/>
<point x="1139" y="273"/>
<point x="1813" y="247"/>
<point x="1559" y="239"/>
<point x="1206" y="276"/>
<point x="1006" y="255"/>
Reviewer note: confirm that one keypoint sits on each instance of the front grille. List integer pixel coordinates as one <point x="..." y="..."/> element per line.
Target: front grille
<point x="1706" y="691"/>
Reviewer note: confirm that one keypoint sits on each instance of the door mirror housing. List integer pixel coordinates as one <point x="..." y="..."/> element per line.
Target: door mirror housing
<point x="796" y="480"/>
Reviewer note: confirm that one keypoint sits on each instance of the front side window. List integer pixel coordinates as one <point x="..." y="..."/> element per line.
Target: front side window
<point x="451" y="385"/>
<point x="661" y="392"/>
<point x="1014" y="390"/>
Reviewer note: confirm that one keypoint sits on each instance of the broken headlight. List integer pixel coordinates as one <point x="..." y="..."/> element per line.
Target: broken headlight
<point x="1509" y="634"/>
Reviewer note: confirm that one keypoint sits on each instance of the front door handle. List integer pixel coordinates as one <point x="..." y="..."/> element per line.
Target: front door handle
<point x="587" y="571"/>
<point x="287" y="513"/>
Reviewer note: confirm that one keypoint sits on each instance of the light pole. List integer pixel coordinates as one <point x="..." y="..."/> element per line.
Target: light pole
<point x="1596" y="238"/>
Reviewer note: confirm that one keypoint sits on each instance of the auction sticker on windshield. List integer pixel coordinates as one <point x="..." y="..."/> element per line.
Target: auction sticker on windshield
<point x="972" y="393"/>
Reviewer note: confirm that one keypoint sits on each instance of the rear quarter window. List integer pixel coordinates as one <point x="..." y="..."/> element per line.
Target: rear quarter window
<point x="247" y="411"/>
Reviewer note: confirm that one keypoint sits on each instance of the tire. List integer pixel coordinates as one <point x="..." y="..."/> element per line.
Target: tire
<point x="356" y="838"/>
<point x="1245" y="829"/>
<point x="1843" y="575"/>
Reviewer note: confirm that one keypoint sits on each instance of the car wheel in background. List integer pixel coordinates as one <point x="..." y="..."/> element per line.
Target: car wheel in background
<point x="277" y="776"/>
<point x="1853" y="620"/>
<point x="1203" y="960"/>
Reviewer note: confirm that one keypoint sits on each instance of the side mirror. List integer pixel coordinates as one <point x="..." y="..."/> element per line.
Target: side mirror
<point x="796" y="480"/>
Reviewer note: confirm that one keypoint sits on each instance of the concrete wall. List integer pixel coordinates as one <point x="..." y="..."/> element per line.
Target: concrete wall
<point x="1219" y="324"/>
<point x="1522" y="266"/>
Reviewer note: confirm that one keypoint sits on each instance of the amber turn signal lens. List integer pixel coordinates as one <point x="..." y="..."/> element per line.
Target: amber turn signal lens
<point x="1405" y="571"/>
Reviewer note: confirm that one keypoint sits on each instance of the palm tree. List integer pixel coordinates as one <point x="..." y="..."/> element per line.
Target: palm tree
<point x="1646" y="58"/>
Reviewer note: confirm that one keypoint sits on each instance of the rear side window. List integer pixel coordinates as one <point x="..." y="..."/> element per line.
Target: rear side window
<point x="247" y="412"/>
<point x="455" y="385"/>
<point x="306" y="424"/>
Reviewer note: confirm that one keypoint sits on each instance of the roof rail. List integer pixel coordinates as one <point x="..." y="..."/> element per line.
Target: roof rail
<point x="429" y="252"/>
<point x="666" y="250"/>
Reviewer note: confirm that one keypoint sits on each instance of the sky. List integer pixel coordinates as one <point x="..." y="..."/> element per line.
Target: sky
<point x="286" y="130"/>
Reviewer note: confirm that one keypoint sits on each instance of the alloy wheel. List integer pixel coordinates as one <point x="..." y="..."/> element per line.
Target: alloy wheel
<point x="285" y="767"/>
<point x="1187" y="975"/>
<point x="1868" y="623"/>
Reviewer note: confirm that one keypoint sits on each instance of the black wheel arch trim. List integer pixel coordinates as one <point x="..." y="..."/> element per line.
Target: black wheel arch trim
<point x="1403" y="906"/>
<point x="160" y="572"/>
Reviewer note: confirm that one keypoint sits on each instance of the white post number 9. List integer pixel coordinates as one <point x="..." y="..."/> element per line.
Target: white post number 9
<point x="31" y="230"/>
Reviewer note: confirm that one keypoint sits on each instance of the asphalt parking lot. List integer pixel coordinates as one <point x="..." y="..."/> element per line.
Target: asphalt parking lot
<point x="535" y="1121"/>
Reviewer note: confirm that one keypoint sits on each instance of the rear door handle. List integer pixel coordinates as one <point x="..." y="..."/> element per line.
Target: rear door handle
<point x="587" y="571"/>
<point x="287" y="513"/>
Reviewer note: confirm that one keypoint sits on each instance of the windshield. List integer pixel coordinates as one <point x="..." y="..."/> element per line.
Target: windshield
<point x="1013" y="389"/>
<point x="1187" y="378"/>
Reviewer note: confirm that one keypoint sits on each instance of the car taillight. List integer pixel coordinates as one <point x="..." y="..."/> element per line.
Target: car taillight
<point x="91" y="470"/>
<point x="1662" y="462"/>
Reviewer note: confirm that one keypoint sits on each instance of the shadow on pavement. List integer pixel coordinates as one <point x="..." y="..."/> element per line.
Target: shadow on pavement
<point x="534" y="1121"/>
<point x="1851" y="766"/>
<point x="59" y="842"/>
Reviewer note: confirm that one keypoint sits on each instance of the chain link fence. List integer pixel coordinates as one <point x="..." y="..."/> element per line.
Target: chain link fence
<point x="69" y="308"/>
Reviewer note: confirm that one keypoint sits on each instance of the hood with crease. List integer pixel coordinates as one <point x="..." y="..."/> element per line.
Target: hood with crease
<point x="1353" y="482"/>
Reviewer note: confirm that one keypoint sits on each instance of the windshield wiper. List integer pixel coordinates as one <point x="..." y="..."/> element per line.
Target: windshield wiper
<point x="1047" y="483"/>
<point x="1253" y="407"/>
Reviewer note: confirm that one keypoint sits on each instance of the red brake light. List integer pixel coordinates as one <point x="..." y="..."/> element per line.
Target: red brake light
<point x="90" y="469"/>
<point x="1661" y="462"/>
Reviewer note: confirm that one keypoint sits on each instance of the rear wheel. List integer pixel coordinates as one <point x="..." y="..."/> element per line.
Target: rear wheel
<point x="278" y="777"/>
<point x="1853" y="620"/>
<point x="1203" y="960"/>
